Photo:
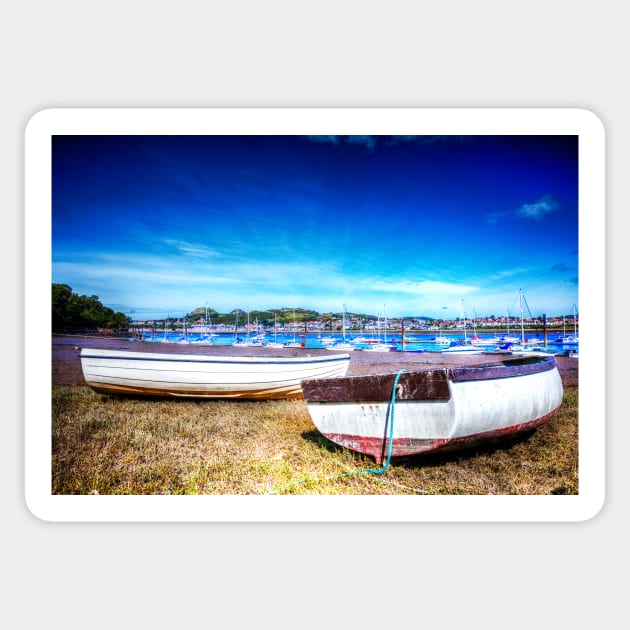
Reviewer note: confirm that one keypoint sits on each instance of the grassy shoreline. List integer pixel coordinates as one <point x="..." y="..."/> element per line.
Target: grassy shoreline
<point x="110" y="445"/>
<point x="123" y="445"/>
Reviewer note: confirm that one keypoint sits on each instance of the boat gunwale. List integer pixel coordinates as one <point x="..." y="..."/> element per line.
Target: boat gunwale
<point x="130" y="355"/>
<point x="508" y="368"/>
<point x="420" y="385"/>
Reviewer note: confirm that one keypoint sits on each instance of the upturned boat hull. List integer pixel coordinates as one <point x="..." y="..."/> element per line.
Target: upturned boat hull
<point x="440" y="409"/>
<point x="202" y="376"/>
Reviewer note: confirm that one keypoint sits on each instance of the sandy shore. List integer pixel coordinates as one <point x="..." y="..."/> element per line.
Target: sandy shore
<point x="66" y="364"/>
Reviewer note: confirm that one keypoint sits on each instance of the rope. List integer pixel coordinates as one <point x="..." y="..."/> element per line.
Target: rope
<point x="371" y="471"/>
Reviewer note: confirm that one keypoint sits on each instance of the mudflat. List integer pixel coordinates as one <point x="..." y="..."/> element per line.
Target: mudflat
<point x="66" y="362"/>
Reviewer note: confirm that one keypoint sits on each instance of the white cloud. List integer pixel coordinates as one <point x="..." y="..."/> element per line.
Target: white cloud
<point x="177" y="285"/>
<point x="331" y="139"/>
<point x="507" y="273"/>
<point x="535" y="211"/>
<point x="539" y="209"/>
<point x="426" y="287"/>
<point x="190" y="249"/>
<point x="368" y="141"/>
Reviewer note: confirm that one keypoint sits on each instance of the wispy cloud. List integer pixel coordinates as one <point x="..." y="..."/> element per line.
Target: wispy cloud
<point x="316" y="222"/>
<point x="506" y="273"/>
<point x="179" y="284"/>
<point x="539" y="209"/>
<point x="427" y="141"/>
<point x="191" y="249"/>
<point x="330" y="139"/>
<point x="423" y="288"/>
<point x="139" y="271"/>
<point x="368" y="141"/>
<point x="393" y="140"/>
<point x="535" y="211"/>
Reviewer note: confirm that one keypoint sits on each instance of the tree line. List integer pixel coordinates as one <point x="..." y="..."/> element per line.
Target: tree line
<point x="71" y="311"/>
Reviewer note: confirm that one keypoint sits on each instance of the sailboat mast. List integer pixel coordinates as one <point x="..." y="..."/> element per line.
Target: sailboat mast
<point x="384" y="324"/>
<point x="520" y="294"/>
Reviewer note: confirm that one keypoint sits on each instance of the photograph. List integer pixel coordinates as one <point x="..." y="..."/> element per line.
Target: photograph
<point x="238" y="314"/>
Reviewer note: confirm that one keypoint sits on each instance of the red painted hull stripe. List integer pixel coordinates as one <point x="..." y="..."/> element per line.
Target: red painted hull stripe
<point x="401" y="446"/>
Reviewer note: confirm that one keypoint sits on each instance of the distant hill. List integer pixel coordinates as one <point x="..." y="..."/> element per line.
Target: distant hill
<point x="281" y="315"/>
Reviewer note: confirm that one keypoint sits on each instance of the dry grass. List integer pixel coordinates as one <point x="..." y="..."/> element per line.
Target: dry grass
<point x="112" y="445"/>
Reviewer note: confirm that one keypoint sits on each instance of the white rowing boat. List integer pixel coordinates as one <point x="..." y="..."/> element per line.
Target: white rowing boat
<point x="205" y="376"/>
<point x="435" y="409"/>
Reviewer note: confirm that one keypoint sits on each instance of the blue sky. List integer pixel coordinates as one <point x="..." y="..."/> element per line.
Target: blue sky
<point x="409" y="225"/>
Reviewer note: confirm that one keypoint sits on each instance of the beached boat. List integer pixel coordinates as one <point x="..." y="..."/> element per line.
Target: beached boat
<point x="435" y="409"/>
<point x="205" y="376"/>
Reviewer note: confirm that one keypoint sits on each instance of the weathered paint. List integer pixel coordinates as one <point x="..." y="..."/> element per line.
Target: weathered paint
<point x="292" y="391"/>
<point x="425" y="385"/>
<point x="483" y="403"/>
<point x="404" y="447"/>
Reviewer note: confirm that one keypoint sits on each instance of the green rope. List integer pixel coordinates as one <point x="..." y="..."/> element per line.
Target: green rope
<point x="380" y="471"/>
<point x="371" y="471"/>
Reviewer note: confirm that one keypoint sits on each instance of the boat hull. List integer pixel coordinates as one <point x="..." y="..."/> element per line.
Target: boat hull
<point x="202" y="376"/>
<point x="436" y="409"/>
